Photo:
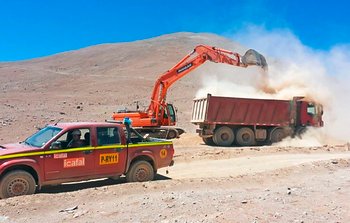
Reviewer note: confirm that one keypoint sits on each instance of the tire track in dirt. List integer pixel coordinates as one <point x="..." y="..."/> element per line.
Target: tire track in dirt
<point x="244" y="165"/>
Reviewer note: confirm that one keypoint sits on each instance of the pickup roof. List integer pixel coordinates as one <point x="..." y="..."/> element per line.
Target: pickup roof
<point x="67" y="152"/>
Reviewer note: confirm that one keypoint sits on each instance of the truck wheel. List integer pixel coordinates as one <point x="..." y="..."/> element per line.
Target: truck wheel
<point x="16" y="183"/>
<point x="245" y="137"/>
<point x="140" y="171"/>
<point x="277" y="135"/>
<point x="208" y="141"/>
<point x="223" y="136"/>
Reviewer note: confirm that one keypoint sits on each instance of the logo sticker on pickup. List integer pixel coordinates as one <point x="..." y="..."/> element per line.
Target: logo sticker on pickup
<point x="163" y="153"/>
<point x="74" y="162"/>
<point x="109" y="158"/>
<point x="60" y="155"/>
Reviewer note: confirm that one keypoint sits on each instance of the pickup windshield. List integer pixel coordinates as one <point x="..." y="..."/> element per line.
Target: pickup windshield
<point x="43" y="136"/>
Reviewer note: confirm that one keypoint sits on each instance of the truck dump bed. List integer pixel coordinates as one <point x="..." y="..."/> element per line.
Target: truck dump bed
<point x="241" y="111"/>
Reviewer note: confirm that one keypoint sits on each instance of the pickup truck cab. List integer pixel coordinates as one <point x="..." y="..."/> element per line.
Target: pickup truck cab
<point x="66" y="152"/>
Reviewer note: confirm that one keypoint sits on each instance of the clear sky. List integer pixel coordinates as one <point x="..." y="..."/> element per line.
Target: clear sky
<point x="34" y="28"/>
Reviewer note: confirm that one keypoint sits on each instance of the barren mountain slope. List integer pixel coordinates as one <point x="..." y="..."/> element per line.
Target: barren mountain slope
<point x="91" y="83"/>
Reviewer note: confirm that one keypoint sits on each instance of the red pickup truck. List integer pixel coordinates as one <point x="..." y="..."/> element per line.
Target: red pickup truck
<point x="67" y="152"/>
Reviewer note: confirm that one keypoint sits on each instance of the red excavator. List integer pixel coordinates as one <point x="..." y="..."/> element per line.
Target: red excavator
<point x="160" y="116"/>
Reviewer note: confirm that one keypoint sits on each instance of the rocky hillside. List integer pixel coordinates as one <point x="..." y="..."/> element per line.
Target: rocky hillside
<point x="90" y="83"/>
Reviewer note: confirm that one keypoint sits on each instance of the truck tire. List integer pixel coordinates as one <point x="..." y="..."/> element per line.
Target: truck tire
<point x="277" y="135"/>
<point x="223" y="136"/>
<point x="245" y="137"/>
<point x="140" y="171"/>
<point x="17" y="183"/>
<point x="208" y="141"/>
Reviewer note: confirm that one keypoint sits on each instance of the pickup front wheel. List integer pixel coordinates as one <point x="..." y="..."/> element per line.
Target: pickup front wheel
<point x="16" y="183"/>
<point x="140" y="171"/>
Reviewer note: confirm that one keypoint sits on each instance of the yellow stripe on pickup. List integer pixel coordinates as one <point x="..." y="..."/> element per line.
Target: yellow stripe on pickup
<point x="114" y="146"/>
<point x="150" y="144"/>
<point x="21" y="155"/>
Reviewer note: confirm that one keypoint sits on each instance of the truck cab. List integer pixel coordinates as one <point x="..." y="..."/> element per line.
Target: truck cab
<point x="310" y="114"/>
<point x="67" y="152"/>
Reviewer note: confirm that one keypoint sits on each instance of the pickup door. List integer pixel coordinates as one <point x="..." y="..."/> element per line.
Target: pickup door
<point x="110" y="154"/>
<point x="65" y="162"/>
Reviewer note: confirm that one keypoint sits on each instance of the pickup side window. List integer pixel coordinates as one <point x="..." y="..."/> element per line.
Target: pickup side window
<point x="107" y="136"/>
<point x="72" y="139"/>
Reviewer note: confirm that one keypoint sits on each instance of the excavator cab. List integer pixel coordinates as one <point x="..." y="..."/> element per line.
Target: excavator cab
<point x="169" y="115"/>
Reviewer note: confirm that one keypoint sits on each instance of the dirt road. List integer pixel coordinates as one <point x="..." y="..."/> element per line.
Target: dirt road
<point x="212" y="184"/>
<point x="244" y="165"/>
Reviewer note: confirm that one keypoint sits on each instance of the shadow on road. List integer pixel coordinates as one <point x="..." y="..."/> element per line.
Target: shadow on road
<point x="75" y="186"/>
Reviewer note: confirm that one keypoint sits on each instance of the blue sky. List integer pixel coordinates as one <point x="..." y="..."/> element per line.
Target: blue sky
<point x="30" y="29"/>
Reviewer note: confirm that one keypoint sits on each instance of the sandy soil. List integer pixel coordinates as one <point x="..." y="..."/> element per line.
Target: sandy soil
<point x="220" y="185"/>
<point x="206" y="184"/>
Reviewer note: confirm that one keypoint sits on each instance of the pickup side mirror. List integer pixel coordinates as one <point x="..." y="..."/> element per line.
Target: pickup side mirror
<point x="56" y="145"/>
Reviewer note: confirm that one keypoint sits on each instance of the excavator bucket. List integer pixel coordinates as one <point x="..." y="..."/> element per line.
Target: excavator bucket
<point x="252" y="57"/>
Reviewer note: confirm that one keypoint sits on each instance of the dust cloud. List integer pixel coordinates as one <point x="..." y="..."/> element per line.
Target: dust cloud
<point x="294" y="70"/>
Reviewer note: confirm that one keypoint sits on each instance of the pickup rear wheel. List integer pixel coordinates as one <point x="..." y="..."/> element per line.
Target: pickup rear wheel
<point x="223" y="136"/>
<point x="140" y="171"/>
<point x="16" y="183"/>
<point x="245" y="137"/>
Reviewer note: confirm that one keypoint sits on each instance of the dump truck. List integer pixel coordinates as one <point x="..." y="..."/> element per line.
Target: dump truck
<point x="70" y="152"/>
<point x="224" y="121"/>
<point x="159" y="119"/>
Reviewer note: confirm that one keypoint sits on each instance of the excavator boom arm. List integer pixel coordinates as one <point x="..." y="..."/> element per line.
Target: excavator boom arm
<point x="197" y="57"/>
